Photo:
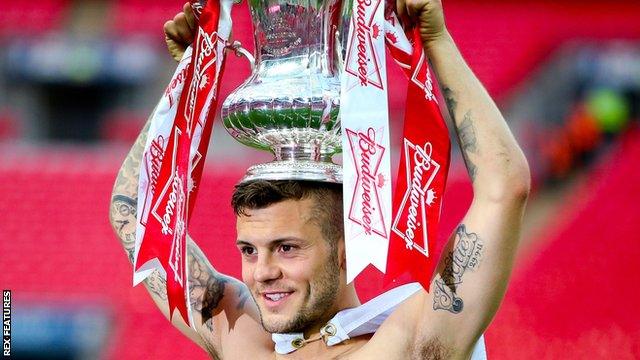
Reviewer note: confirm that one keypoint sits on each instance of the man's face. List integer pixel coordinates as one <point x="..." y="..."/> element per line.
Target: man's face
<point x="291" y="270"/>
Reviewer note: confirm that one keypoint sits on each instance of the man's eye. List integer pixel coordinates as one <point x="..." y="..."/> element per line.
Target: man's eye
<point x="247" y="250"/>
<point x="286" y="248"/>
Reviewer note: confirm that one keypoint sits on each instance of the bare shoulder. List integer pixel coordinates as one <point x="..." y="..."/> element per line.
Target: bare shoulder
<point x="231" y="336"/>
<point x="225" y="315"/>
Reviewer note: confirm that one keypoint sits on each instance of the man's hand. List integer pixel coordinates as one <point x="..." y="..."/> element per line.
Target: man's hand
<point x="180" y="32"/>
<point x="427" y="15"/>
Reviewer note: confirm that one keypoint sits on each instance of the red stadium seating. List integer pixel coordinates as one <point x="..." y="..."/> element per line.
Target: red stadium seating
<point x="31" y="17"/>
<point x="57" y="244"/>
<point x="571" y="295"/>
<point x="142" y="17"/>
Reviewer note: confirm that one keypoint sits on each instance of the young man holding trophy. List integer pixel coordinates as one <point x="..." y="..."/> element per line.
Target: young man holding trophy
<point x="295" y="300"/>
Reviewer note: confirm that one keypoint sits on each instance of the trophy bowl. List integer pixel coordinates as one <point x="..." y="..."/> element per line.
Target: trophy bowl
<point x="290" y="104"/>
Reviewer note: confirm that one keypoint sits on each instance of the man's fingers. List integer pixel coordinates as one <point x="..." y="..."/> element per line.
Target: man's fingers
<point x="401" y="9"/>
<point x="191" y="18"/>
<point x="171" y="31"/>
<point x="182" y="29"/>
<point x="413" y="8"/>
<point x="176" y="50"/>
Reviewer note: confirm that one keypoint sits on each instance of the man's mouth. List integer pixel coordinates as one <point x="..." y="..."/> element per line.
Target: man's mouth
<point x="275" y="298"/>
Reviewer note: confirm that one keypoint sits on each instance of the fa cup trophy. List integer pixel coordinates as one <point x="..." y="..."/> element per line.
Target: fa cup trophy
<point x="290" y="103"/>
<point x="319" y="69"/>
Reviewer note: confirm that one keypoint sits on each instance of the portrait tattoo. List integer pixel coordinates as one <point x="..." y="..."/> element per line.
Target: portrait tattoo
<point x="466" y="255"/>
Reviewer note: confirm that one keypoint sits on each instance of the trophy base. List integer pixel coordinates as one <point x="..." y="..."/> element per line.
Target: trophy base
<point x="295" y="170"/>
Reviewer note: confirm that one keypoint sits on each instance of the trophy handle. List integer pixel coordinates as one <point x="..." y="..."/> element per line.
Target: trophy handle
<point x="237" y="48"/>
<point x="338" y="51"/>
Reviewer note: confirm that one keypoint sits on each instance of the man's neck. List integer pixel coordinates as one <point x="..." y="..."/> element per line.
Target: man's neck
<point x="348" y="300"/>
<point x="320" y="350"/>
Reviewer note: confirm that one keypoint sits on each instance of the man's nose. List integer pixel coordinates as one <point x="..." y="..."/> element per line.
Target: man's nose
<point x="266" y="269"/>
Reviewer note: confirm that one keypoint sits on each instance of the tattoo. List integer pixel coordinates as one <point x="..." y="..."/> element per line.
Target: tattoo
<point x="156" y="285"/>
<point x="466" y="255"/>
<point x="123" y="214"/>
<point x="243" y="295"/>
<point x="468" y="139"/>
<point x="130" y="253"/>
<point x="466" y="132"/>
<point x="468" y="143"/>
<point x="206" y="287"/>
<point x="123" y="218"/>
<point x="451" y="101"/>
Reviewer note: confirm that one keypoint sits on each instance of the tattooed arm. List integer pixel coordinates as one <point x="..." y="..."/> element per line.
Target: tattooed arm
<point x="475" y="267"/>
<point x="211" y="293"/>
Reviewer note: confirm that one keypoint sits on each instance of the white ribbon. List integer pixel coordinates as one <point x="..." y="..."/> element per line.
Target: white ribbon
<point x="365" y="144"/>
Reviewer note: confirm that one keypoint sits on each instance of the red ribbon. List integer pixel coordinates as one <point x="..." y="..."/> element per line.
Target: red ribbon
<point x="422" y="174"/>
<point x="172" y="202"/>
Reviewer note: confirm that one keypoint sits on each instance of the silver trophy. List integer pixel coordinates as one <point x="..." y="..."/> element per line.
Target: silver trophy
<point x="290" y="103"/>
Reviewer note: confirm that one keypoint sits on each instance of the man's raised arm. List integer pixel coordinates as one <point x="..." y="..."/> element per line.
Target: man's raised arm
<point x="218" y="301"/>
<point x="210" y="291"/>
<point x="474" y="270"/>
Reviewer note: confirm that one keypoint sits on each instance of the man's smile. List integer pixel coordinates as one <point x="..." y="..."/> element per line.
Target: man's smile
<point x="274" y="299"/>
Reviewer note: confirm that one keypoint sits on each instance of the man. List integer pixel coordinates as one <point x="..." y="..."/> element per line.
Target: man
<point x="290" y="238"/>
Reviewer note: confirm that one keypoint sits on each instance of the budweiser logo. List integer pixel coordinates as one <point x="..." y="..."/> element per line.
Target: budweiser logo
<point x="365" y="207"/>
<point x="176" y="203"/>
<point x="197" y="9"/>
<point x="361" y="34"/>
<point x="172" y="195"/>
<point x="410" y="222"/>
<point x="422" y="78"/>
<point x="178" y="79"/>
<point x="206" y="56"/>
<point x="155" y="156"/>
<point x="362" y="60"/>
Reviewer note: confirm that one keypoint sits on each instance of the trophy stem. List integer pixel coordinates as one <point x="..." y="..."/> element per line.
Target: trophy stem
<point x="310" y="152"/>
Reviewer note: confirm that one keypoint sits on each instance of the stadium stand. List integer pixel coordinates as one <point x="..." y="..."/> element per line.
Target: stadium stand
<point x="571" y="297"/>
<point x="141" y="17"/>
<point x="31" y="17"/>
<point x="572" y="293"/>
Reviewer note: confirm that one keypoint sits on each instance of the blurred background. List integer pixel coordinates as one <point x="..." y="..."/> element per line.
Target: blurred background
<point x="79" y="78"/>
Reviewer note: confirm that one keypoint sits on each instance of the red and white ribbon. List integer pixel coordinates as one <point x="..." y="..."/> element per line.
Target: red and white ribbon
<point x="174" y="156"/>
<point x="365" y="141"/>
<point x="424" y="162"/>
<point x="406" y="242"/>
